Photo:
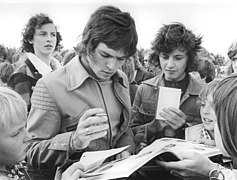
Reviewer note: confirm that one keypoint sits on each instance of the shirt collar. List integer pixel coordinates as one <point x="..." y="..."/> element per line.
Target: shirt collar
<point x="77" y="74"/>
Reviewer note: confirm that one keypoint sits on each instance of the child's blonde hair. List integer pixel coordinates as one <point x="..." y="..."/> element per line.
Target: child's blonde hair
<point x="13" y="109"/>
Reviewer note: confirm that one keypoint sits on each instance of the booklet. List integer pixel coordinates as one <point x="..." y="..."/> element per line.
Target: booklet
<point x="166" y="149"/>
<point x="168" y="97"/>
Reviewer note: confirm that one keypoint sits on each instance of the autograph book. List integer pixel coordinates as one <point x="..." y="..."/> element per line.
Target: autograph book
<point x="166" y="149"/>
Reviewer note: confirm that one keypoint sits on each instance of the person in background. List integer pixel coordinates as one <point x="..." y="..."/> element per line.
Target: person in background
<point x="140" y="74"/>
<point x="68" y="56"/>
<point x="40" y="39"/>
<point x="176" y="49"/>
<point x="232" y="54"/>
<point x="85" y="105"/>
<point x="6" y="69"/>
<point x="206" y="70"/>
<point x="3" y="53"/>
<point x="204" y="133"/>
<point x="196" y="166"/>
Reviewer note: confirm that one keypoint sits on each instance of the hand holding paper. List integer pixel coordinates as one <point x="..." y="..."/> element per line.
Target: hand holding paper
<point x="168" y="97"/>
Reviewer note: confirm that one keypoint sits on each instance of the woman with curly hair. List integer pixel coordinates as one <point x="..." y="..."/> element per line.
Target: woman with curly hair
<point x="40" y="40"/>
<point x="175" y="48"/>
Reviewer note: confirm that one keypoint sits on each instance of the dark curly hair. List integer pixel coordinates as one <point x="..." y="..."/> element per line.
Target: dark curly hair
<point x="173" y="36"/>
<point x="35" y="22"/>
<point x="111" y="26"/>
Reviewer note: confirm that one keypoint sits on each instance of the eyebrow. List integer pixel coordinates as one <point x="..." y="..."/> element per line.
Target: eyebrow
<point x="108" y="54"/>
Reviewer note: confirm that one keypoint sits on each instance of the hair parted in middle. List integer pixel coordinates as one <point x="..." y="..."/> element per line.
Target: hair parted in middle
<point x="176" y="35"/>
<point x="111" y="26"/>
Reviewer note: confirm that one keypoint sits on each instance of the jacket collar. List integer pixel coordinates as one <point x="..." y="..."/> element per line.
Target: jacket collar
<point x="77" y="75"/>
<point x="194" y="86"/>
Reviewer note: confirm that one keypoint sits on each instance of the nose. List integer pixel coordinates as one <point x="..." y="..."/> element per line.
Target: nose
<point x="170" y="62"/>
<point x="27" y="137"/>
<point x="112" y="63"/>
<point x="206" y="109"/>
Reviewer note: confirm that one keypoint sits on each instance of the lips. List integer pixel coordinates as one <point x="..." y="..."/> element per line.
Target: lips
<point x="48" y="46"/>
<point x="207" y="120"/>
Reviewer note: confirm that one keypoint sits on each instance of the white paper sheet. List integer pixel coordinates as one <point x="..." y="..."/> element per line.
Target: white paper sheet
<point x="168" y="97"/>
<point x="94" y="158"/>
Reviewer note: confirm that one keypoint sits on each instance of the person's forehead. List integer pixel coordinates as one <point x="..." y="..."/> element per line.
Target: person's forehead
<point x="176" y="51"/>
<point x="105" y="49"/>
<point x="46" y="27"/>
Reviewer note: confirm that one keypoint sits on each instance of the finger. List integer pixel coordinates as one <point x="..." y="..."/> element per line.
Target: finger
<point x="96" y="135"/>
<point x="71" y="169"/>
<point x="91" y="112"/>
<point x="177" y="112"/>
<point x="96" y="129"/>
<point x="95" y="120"/>
<point x="77" y="174"/>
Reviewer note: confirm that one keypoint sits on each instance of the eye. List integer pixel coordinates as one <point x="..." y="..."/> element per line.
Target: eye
<point x="105" y="55"/>
<point x="123" y="59"/>
<point x="163" y="56"/>
<point x="15" y="134"/>
<point x="42" y="34"/>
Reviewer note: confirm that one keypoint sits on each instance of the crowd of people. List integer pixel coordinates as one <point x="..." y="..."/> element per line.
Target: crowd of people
<point x="101" y="95"/>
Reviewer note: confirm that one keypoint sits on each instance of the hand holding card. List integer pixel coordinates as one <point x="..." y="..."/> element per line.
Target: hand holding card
<point x="168" y="97"/>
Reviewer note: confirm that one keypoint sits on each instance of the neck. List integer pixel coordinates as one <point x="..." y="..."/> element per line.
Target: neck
<point x="45" y="58"/>
<point x="211" y="133"/>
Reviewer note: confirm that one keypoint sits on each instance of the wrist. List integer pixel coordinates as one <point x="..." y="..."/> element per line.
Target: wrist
<point x="73" y="145"/>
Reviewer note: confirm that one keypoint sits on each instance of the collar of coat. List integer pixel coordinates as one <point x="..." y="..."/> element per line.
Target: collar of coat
<point x="77" y="75"/>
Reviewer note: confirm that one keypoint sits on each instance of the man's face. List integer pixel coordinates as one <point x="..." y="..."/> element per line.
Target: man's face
<point x="104" y="62"/>
<point x="174" y="64"/>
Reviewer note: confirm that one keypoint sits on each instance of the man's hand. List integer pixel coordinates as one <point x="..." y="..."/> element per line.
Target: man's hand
<point x="174" y="118"/>
<point x="92" y="125"/>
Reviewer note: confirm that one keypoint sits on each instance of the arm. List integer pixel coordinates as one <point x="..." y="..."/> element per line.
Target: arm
<point x="145" y="131"/>
<point x="47" y="149"/>
<point x="192" y="166"/>
<point x="50" y="147"/>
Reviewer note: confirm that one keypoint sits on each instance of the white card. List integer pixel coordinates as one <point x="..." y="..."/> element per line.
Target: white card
<point x="168" y="97"/>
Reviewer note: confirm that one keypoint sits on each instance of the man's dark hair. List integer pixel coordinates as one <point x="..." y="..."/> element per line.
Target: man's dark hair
<point x="173" y="36"/>
<point x="111" y="26"/>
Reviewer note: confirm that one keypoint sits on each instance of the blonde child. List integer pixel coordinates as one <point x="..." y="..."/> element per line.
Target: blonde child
<point x="13" y="135"/>
<point x="204" y="132"/>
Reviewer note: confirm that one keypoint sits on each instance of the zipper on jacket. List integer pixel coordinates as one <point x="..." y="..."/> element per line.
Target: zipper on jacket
<point x="110" y="128"/>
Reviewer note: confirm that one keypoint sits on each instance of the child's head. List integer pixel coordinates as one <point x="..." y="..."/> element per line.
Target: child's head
<point x="207" y="112"/>
<point x="13" y="135"/>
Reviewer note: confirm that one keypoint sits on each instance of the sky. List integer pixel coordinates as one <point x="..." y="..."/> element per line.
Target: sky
<point x="214" y="20"/>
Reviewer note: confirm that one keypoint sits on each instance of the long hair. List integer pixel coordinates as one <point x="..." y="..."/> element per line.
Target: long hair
<point x="225" y="106"/>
